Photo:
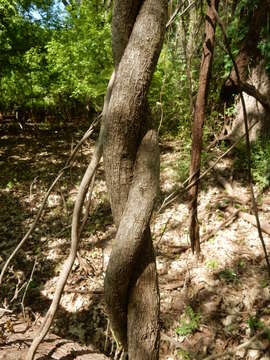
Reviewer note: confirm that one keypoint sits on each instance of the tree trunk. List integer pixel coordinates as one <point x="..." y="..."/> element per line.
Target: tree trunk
<point x="188" y="40"/>
<point x="204" y="78"/>
<point x="131" y="160"/>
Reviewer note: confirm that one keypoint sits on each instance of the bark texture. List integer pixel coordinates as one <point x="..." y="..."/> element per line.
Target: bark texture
<point x="131" y="159"/>
<point x="197" y="129"/>
<point x="257" y="99"/>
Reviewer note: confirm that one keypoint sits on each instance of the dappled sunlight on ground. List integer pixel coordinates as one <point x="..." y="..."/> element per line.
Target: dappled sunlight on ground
<point x="208" y="305"/>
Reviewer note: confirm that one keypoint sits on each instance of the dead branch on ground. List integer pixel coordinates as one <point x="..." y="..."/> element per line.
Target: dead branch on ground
<point x="230" y="354"/>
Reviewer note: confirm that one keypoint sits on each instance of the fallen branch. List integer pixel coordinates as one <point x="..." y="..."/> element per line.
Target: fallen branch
<point x="6" y="310"/>
<point x="245" y="345"/>
<point x="243" y="215"/>
<point x="175" y="343"/>
<point x="252" y="220"/>
<point x="43" y="204"/>
<point x="224" y="223"/>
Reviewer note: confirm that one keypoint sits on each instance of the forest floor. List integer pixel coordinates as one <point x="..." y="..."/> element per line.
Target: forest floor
<point x="209" y="305"/>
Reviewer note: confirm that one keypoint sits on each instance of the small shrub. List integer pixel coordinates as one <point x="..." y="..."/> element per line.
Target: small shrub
<point x="212" y="264"/>
<point x="228" y="275"/>
<point x="189" y="323"/>
<point x="183" y="354"/>
<point x="254" y="324"/>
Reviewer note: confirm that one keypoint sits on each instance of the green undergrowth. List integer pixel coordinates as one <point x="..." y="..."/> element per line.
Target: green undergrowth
<point x="260" y="165"/>
<point x="189" y="323"/>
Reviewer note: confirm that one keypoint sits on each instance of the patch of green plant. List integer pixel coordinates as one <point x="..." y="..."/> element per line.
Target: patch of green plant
<point x="242" y="264"/>
<point x="254" y="323"/>
<point x="264" y="47"/>
<point x="228" y="275"/>
<point x="189" y="323"/>
<point x="212" y="264"/>
<point x="183" y="354"/>
<point x="264" y="283"/>
<point x="183" y="164"/>
<point x="212" y="240"/>
<point x="260" y="166"/>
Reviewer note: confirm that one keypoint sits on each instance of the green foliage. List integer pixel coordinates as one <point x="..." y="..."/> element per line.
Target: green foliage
<point x="260" y="154"/>
<point x="183" y="354"/>
<point x="56" y="62"/>
<point x="189" y="323"/>
<point x="264" y="47"/>
<point x="254" y="324"/>
<point x="212" y="264"/>
<point x="264" y="283"/>
<point x="183" y="162"/>
<point x="79" y="56"/>
<point x="228" y="275"/>
<point x="164" y="96"/>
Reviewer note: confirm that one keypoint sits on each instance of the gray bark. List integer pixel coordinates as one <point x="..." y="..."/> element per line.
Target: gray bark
<point x="131" y="160"/>
<point x="255" y="110"/>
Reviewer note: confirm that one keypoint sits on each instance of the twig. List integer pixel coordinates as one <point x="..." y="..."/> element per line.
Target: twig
<point x="174" y="15"/>
<point x="27" y="286"/>
<point x="163" y="231"/>
<point x="240" y="347"/>
<point x="225" y="223"/>
<point x="87" y="208"/>
<point x="6" y="310"/>
<point x="43" y="204"/>
<point x="254" y="204"/>
<point x="17" y="291"/>
<point x="31" y="187"/>
<point x="107" y="335"/>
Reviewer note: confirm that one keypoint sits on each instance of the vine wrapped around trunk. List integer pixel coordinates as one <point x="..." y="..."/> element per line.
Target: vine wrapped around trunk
<point x="131" y="160"/>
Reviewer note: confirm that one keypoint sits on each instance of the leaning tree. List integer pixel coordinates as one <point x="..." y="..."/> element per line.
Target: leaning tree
<point x="129" y="143"/>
